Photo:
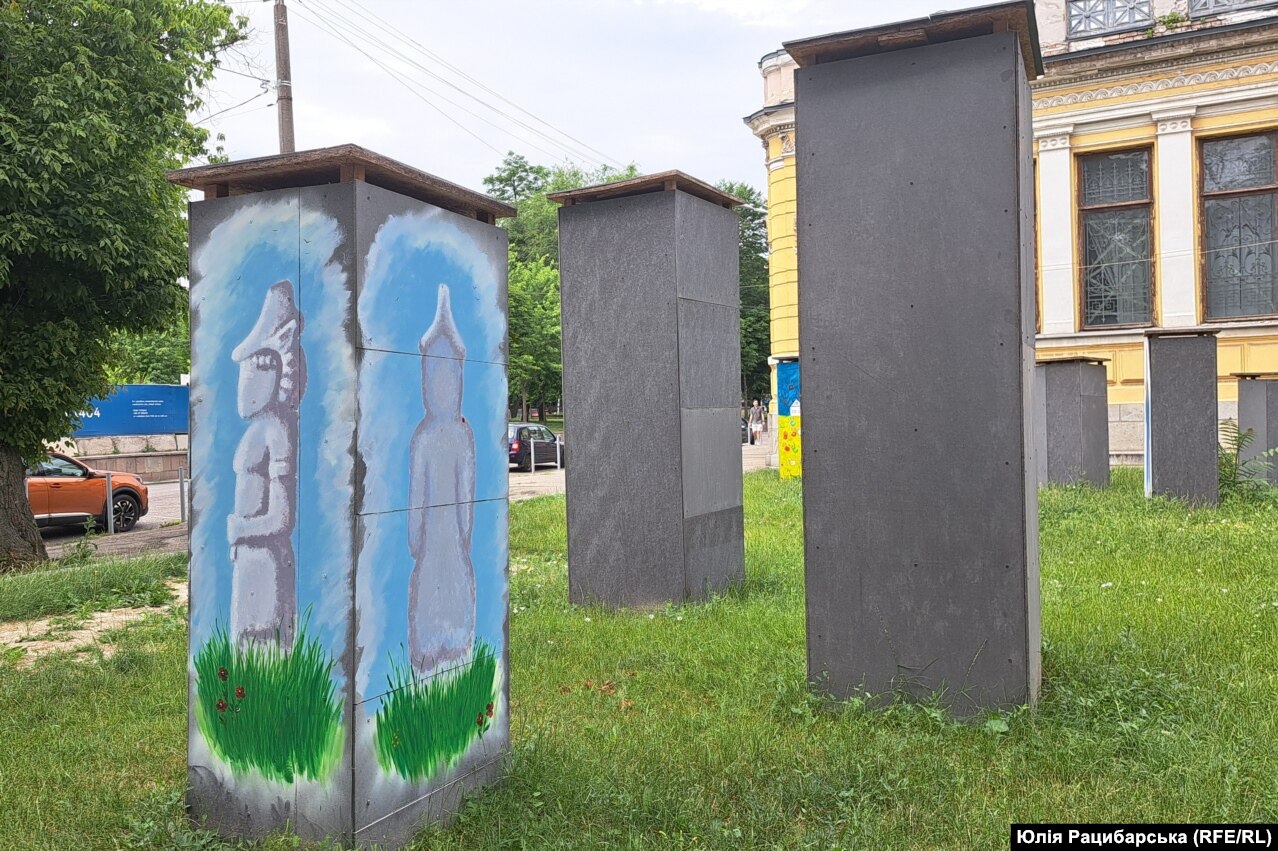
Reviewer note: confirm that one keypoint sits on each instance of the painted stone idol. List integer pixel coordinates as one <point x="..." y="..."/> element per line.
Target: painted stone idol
<point x="441" y="614"/>
<point x="271" y="383"/>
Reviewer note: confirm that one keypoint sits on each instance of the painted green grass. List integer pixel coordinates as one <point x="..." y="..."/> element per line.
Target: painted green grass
<point x="262" y="709"/>
<point x="53" y="588"/>
<point x="426" y="725"/>
<point x="694" y="728"/>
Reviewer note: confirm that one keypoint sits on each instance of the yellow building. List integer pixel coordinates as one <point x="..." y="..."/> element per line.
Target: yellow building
<point x="1156" y="145"/>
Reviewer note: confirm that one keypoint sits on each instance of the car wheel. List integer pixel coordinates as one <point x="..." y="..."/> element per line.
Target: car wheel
<point x="126" y="510"/>
<point x="528" y="464"/>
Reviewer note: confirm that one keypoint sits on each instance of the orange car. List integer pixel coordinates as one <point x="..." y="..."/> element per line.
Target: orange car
<point x="64" y="492"/>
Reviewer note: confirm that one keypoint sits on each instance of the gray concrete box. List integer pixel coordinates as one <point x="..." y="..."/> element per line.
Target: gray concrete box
<point x="1075" y="420"/>
<point x="651" y="354"/>
<point x="916" y="317"/>
<point x="1181" y="426"/>
<point x="1258" y="412"/>
<point x="349" y="476"/>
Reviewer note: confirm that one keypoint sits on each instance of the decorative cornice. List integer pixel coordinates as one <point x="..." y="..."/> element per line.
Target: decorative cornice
<point x="1177" y="81"/>
<point x="1189" y="60"/>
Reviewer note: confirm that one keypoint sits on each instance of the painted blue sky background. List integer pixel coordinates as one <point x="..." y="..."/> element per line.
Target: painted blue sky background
<point x="411" y="256"/>
<point x="253" y="247"/>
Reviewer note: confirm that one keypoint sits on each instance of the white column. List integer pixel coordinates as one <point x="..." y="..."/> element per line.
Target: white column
<point x="1058" y="270"/>
<point x="1177" y="264"/>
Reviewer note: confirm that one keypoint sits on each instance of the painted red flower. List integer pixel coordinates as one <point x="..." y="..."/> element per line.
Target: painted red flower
<point x="221" y="705"/>
<point x="221" y="674"/>
<point x="489" y="711"/>
<point x="479" y="720"/>
<point x="239" y="692"/>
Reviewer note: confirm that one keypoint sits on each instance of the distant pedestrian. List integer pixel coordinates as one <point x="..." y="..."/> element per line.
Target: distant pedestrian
<point x="756" y="421"/>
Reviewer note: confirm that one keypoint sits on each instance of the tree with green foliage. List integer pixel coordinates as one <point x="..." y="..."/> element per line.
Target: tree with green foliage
<point x="158" y="356"/>
<point x="94" y="99"/>
<point x="516" y="179"/>
<point x="756" y="341"/>
<point x="534" y="358"/>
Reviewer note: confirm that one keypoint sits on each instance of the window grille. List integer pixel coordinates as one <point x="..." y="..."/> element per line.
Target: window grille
<point x="1115" y="205"/>
<point x="1239" y="194"/>
<point x="1089" y="18"/>
<point x="1202" y="8"/>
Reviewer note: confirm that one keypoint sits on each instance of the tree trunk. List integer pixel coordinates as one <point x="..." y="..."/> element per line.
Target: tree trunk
<point x="20" y="541"/>
<point x="523" y="409"/>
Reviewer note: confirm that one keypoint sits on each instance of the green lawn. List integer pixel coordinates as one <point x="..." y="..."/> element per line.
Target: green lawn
<point x="73" y="585"/>
<point x="693" y="727"/>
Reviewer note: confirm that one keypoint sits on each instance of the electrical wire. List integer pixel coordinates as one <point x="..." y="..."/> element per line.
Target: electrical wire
<point x="229" y="108"/>
<point x="349" y="28"/>
<point x="325" y="27"/>
<point x="389" y="28"/>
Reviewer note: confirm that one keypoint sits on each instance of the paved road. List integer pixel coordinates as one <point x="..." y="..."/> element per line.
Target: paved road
<point x="158" y="532"/>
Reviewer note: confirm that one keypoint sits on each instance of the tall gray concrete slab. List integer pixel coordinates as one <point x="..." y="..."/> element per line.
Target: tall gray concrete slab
<point x="651" y="351"/>
<point x="1181" y="416"/>
<point x="1076" y="421"/>
<point x="915" y="210"/>
<point x="349" y="412"/>
<point x="1258" y="413"/>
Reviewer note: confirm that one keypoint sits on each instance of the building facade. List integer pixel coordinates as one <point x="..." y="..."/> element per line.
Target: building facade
<point x="1156" y="156"/>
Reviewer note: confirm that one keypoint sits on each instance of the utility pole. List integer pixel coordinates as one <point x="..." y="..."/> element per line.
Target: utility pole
<point x="283" y="79"/>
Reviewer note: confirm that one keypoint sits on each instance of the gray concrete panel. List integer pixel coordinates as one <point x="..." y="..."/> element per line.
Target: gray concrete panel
<point x="649" y="449"/>
<point x="714" y="548"/>
<point x="1181" y="427"/>
<point x="707" y="240"/>
<point x="1258" y="412"/>
<point x="918" y="447"/>
<point x="711" y="460"/>
<point x="621" y="391"/>
<point x="709" y="355"/>
<point x="1077" y="422"/>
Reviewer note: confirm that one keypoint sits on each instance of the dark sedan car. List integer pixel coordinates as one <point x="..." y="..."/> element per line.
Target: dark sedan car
<point x="525" y="439"/>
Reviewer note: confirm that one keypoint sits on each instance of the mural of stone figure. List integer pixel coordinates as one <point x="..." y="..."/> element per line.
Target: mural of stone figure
<point x="271" y="383"/>
<point x="441" y="599"/>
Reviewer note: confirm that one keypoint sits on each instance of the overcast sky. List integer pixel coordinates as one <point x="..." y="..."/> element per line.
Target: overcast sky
<point x="662" y="83"/>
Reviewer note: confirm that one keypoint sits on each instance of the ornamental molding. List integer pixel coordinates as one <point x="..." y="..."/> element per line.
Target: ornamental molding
<point x="1175" y="125"/>
<point x="1177" y="81"/>
<point x="1244" y="54"/>
<point x="1054" y="142"/>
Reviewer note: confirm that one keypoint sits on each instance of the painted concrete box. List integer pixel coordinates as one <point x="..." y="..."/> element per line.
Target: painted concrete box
<point x="916" y="318"/>
<point x="348" y="649"/>
<point x="1258" y="413"/>
<point x="1073" y="415"/>
<point x="1181" y="410"/>
<point x="651" y="357"/>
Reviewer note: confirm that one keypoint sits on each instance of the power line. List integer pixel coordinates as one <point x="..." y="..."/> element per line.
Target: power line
<point x="349" y="27"/>
<point x="386" y="26"/>
<point x="324" y="26"/>
<point x="229" y="108"/>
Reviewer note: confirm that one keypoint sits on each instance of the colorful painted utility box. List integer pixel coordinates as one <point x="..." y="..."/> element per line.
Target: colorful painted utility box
<point x="348" y="650"/>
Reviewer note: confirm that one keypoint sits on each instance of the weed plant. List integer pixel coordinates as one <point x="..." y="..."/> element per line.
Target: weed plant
<point x="425" y="725"/>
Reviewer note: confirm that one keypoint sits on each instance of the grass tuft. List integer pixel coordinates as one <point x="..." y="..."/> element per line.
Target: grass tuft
<point x="426" y="725"/>
<point x="52" y="588"/>
<point x="262" y="709"/>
